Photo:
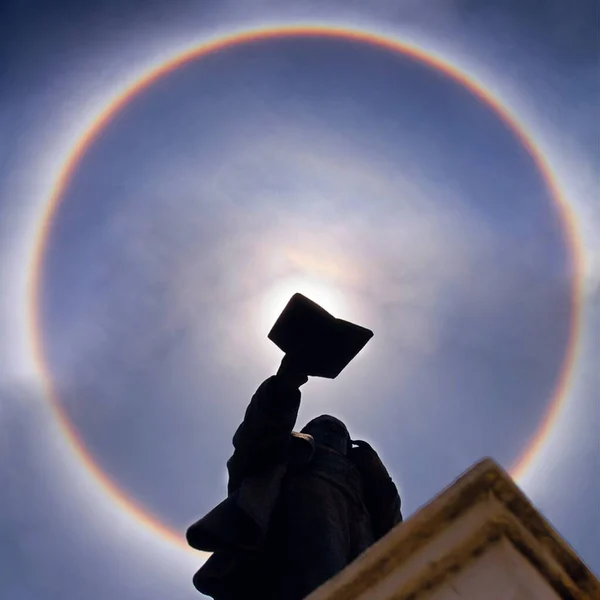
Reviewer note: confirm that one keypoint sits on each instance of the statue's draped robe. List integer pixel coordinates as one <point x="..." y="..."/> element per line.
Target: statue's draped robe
<point x="296" y="513"/>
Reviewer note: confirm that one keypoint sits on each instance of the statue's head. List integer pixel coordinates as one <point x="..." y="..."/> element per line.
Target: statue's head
<point x="329" y="431"/>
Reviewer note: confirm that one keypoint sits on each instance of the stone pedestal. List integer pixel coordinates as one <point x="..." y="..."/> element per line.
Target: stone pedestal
<point x="480" y="539"/>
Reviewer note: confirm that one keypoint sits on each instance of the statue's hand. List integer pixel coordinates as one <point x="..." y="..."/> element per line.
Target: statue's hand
<point x="291" y="371"/>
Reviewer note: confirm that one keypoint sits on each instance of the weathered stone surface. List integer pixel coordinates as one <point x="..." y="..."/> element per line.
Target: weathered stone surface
<point x="481" y="538"/>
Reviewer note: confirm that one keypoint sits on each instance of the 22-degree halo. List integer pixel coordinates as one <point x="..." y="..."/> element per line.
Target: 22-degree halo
<point x="79" y="148"/>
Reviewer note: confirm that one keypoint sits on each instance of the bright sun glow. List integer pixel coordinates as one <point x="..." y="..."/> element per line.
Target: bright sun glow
<point x="318" y="270"/>
<point x="319" y="290"/>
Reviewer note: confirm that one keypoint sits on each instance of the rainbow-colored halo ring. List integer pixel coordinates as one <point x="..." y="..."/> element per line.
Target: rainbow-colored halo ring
<point x="146" y="79"/>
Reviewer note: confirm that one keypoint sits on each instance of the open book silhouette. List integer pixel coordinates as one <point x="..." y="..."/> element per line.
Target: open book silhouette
<point x="322" y="344"/>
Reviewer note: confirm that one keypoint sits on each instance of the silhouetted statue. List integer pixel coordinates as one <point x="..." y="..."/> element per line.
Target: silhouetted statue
<point x="300" y="506"/>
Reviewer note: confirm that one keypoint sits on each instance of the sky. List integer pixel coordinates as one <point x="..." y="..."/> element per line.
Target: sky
<point x="364" y="177"/>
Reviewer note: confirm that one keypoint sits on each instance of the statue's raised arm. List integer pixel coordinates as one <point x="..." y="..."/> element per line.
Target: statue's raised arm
<point x="263" y="439"/>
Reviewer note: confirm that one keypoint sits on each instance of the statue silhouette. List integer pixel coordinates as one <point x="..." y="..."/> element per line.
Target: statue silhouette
<point x="300" y="506"/>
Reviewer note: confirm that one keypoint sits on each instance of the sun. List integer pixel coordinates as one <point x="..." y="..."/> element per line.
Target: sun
<point x="315" y="269"/>
<point x="319" y="290"/>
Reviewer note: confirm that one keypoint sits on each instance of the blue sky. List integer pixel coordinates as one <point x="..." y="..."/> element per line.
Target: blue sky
<point x="359" y="176"/>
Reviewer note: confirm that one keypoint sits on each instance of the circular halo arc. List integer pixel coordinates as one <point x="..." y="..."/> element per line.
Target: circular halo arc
<point x="44" y="221"/>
